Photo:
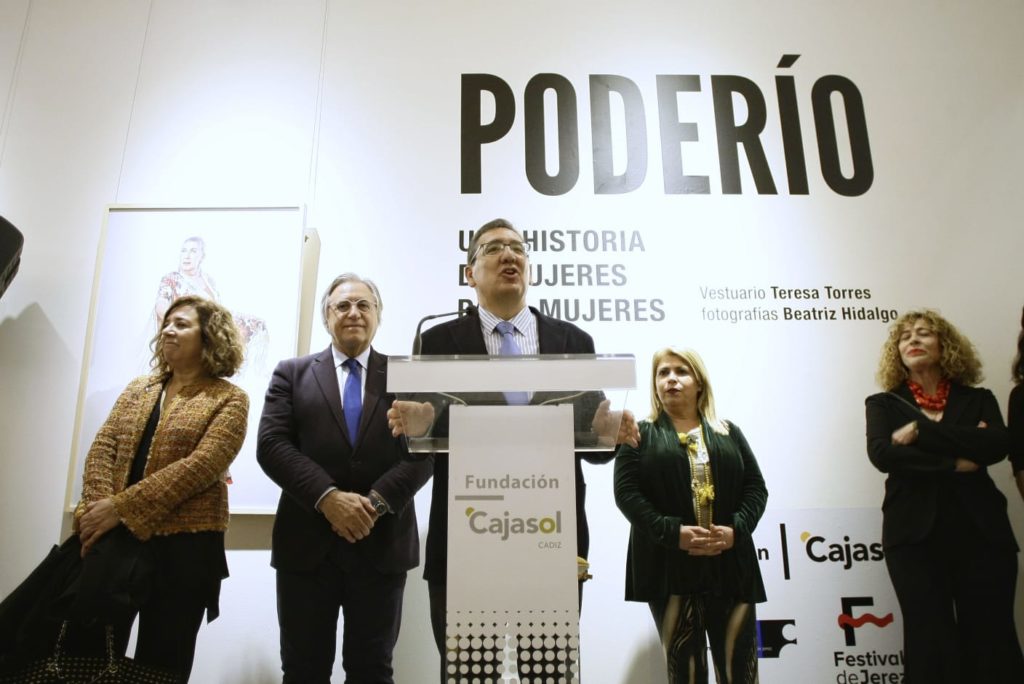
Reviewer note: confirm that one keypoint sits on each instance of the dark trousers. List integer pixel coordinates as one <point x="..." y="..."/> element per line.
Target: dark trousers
<point x="169" y="625"/>
<point x="956" y="596"/>
<point x="438" y="622"/>
<point x="308" y="606"/>
<point x="731" y="631"/>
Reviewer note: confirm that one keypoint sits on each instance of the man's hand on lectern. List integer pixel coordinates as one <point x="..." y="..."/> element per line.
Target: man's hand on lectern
<point x="615" y="427"/>
<point x="411" y="418"/>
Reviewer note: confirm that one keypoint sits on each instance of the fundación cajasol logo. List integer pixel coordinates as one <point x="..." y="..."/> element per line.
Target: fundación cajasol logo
<point x="822" y="550"/>
<point x="507" y="525"/>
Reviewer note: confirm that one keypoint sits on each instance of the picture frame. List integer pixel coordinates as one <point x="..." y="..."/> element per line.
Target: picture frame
<point x="258" y="261"/>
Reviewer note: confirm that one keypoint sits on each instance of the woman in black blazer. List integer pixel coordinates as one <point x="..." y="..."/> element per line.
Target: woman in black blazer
<point x="948" y="545"/>
<point x="693" y="494"/>
<point x="1015" y="413"/>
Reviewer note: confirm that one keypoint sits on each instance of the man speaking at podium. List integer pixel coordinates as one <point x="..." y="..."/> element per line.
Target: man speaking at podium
<point x="497" y="267"/>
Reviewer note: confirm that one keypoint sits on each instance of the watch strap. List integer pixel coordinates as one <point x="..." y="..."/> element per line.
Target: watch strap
<point x="379" y="504"/>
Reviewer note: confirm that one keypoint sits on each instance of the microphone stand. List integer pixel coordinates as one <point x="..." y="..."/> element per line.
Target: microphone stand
<point x="417" y="341"/>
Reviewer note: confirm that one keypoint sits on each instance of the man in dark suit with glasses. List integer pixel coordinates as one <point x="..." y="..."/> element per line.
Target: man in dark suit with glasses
<point x="345" y="534"/>
<point x="497" y="268"/>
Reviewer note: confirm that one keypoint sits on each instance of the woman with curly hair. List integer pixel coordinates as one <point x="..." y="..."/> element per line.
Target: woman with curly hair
<point x="154" y="476"/>
<point x="1015" y="413"/>
<point x="949" y="549"/>
<point x="693" y="494"/>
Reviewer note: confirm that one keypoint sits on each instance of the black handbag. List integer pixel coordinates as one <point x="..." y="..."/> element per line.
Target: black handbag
<point x="62" y="668"/>
<point x="86" y="597"/>
<point x="29" y="619"/>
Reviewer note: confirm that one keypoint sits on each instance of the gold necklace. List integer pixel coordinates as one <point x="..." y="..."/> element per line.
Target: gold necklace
<point x="703" y="488"/>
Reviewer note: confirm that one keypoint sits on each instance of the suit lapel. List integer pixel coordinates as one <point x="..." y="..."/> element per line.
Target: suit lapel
<point x="327" y="378"/>
<point x="468" y="337"/>
<point x="374" y="393"/>
<point x="958" y="400"/>
<point x="550" y="338"/>
<point x="908" y="408"/>
<point x="903" y="391"/>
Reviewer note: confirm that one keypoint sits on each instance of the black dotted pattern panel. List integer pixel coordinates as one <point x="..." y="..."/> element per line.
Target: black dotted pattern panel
<point x="484" y="647"/>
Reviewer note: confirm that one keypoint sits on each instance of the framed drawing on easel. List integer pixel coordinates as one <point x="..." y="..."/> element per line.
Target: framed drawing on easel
<point x="249" y="259"/>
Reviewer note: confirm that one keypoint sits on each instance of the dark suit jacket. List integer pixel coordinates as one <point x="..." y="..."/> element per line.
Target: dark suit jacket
<point x="1015" y="424"/>
<point x="463" y="336"/>
<point x="304" y="447"/>
<point x="922" y="479"/>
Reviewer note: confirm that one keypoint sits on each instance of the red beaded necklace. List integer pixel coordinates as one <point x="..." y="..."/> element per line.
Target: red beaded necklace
<point x="934" y="403"/>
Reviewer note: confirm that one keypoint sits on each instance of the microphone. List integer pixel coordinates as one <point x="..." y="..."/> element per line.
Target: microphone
<point x="417" y="341"/>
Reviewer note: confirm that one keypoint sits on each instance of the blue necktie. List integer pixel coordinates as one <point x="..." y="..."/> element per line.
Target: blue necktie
<point x="352" y="401"/>
<point x="510" y="347"/>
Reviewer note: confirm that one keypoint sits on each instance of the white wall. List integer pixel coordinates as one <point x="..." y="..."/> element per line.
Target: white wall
<point x="352" y="109"/>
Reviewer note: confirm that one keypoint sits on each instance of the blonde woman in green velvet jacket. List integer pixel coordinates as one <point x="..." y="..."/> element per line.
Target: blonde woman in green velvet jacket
<point x="693" y="494"/>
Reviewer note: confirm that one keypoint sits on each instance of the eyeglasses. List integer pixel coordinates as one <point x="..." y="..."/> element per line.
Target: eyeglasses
<point x="344" y="306"/>
<point x="495" y="247"/>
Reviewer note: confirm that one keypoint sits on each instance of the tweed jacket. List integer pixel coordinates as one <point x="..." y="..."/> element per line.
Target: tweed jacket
<point x="183" y="490"/>
<point x="652" y="489"/>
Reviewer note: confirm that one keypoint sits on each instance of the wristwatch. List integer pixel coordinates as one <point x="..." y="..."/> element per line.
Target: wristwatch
<point x="379" y="504"/>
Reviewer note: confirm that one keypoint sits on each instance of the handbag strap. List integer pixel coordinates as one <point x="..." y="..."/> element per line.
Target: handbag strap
<point x="112" y="662"/>
<point x="53" y="666"/>
<point x="53" y="662"/>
